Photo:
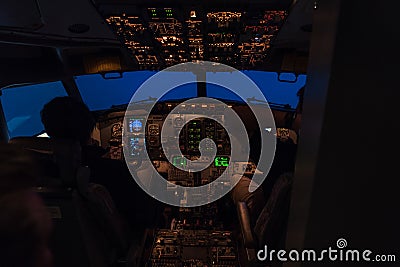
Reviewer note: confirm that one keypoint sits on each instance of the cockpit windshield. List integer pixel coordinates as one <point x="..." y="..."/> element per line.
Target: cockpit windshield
<point x="100" y="94"/>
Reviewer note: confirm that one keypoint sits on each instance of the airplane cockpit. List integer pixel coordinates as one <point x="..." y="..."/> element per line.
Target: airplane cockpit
<point x="192" y="120"/>
<point x="167" y="161"/>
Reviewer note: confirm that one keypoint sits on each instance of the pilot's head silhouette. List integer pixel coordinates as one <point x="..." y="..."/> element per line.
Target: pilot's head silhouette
<point x="67" y="117"/>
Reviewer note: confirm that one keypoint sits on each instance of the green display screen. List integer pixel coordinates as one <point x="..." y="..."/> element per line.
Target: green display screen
<point x="221" y="161"/>
<point x="179" y="161"/>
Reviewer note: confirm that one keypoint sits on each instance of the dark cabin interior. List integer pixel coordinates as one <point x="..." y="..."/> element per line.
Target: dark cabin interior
<point x="330" y="183"/>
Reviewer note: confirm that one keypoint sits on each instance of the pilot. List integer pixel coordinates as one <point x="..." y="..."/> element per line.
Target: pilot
<point x="25" y="224"/>
<point x="66" y="117"/>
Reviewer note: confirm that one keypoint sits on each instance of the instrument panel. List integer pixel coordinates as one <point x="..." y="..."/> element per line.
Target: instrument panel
<point x="196" y="236"/>
<point x="144" y="135"/>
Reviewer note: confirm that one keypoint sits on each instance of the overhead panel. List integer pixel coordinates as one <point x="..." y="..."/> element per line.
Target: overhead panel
<point x="158" y="37"/>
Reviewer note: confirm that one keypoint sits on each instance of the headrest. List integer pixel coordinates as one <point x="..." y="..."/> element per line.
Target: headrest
<point x="67" y="155"/>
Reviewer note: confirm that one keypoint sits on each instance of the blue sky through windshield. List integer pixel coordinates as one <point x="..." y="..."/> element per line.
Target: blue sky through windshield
<point x="99" y="93"/>
<point x="22" y="105"/>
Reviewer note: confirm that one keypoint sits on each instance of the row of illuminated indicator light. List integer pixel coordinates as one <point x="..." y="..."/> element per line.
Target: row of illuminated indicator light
<point x="136" y="126"/>
<point x="219" y="15"/>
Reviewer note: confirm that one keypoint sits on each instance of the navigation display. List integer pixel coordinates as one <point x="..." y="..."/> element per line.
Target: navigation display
<point x="135" y="125"/>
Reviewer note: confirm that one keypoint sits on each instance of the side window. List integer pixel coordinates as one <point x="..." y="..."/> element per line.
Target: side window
<point x="22" y="106"/>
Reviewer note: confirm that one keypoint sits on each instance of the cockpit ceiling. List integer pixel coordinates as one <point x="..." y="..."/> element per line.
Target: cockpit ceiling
<point x="153" y="35"/>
